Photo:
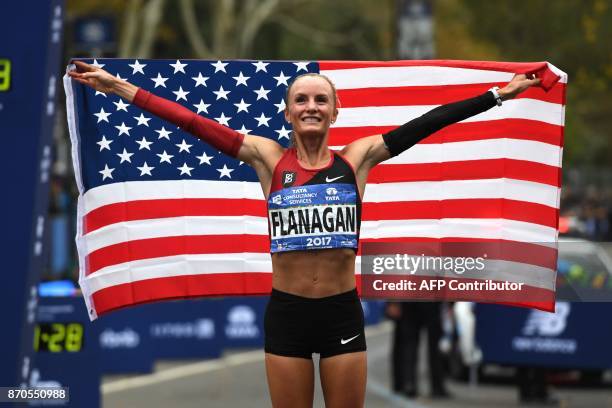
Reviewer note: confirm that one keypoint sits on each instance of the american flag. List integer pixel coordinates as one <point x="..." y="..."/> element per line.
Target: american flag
<point x="162" y="215"/>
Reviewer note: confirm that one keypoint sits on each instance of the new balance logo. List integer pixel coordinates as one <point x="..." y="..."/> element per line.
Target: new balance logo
<point x="547" y="324"/>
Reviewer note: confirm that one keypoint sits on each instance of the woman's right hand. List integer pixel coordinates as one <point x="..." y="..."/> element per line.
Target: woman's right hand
<point x="93" y="76"/>
<point x="102" y="81"/>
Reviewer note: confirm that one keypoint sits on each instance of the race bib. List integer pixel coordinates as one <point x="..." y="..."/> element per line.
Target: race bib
<point x="313" y="217"/>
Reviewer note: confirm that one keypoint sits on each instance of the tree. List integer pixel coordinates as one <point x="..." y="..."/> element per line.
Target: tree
<point x="139" y="28"/>
<point x="572" y="34"/>
<point x="235" y="27"/>
<point x="248" y="28"/>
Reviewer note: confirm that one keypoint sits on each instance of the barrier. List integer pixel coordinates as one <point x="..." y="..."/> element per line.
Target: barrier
<point x="577" y="335"/>
<point x="131" y="340"/>
<point x="67" y="351"/>
<point x="124" y="341"/>
<point x="30" y="46"/>
<point x="242" y="322"/>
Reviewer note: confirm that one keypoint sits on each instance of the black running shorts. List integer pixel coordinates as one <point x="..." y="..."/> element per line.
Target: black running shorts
<point x="296" y="326"/>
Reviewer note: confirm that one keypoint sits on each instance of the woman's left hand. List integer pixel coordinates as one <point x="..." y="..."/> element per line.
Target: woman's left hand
<point x="519" y="83"/>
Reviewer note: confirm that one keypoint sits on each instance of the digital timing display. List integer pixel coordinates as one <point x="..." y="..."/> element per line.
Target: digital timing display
<point x="5" y="74"/>
<point x="58" y="337"/>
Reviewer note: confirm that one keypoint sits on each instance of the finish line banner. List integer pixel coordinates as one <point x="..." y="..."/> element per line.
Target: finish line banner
<point x="162" y="215"/>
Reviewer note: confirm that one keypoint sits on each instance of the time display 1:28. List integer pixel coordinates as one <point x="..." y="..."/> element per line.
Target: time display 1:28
<point x="58" y="337"/>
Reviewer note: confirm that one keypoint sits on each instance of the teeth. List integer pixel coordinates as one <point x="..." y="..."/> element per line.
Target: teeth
<point x="314" y="120"/>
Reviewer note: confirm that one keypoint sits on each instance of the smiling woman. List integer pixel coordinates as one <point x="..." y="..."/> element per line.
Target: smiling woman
<point x="314" y="209"/>
<point x="299" y="100"/>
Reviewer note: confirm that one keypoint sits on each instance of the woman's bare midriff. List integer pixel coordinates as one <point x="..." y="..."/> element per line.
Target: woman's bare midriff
<point x="314" y="273"/>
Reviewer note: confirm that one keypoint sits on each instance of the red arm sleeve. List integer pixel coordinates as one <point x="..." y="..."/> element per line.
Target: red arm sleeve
<point x="221" y="137"/>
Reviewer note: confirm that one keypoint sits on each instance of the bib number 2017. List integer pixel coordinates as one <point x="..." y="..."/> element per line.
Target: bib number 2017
<point x="318" y="241"/>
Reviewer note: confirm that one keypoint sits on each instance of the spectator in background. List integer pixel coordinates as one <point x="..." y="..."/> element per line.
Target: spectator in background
<point x="533" y="388"/>
<point x="602" y="223"/>
<point x="587" y="212"/>
<point x="410" y="318"/>
<point x="590" y="222"/>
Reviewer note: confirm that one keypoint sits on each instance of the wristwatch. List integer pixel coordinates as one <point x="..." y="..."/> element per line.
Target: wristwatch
<point x="498" y="99"/>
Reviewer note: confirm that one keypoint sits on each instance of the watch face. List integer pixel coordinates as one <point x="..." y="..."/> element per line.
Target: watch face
<point x="58" y="337"/>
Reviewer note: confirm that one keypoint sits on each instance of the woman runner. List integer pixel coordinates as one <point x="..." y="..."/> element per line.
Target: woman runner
<point x="313" y="307"/>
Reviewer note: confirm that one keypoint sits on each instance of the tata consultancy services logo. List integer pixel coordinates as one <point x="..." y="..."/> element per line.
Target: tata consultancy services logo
<point x="241" y="323"/>
<point x="331" y="194"/>
<point x="541" y="332"/>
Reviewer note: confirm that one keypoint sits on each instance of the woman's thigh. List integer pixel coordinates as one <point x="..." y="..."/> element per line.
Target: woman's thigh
<point x="343" y="379"/>
<point x="290" y="381"/>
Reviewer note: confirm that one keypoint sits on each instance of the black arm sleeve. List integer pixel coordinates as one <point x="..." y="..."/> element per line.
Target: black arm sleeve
<point x="410" y="133"/>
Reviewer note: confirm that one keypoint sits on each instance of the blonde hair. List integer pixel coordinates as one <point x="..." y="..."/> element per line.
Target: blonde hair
<point x="312" y="75"/>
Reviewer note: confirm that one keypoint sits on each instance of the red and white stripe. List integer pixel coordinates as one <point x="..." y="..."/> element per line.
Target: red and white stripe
<point x="494" y="177"/>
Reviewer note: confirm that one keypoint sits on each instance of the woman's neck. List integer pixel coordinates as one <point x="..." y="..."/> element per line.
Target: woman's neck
<point x="312" y="152"/>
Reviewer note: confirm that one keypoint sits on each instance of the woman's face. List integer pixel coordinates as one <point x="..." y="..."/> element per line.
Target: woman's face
<point x="311" y="106"/>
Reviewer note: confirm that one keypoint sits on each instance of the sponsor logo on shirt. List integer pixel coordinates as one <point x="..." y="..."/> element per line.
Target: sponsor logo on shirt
<point x="289" y="178"/>
<point x="329" y="180"/>
<point x="331" y="194"/>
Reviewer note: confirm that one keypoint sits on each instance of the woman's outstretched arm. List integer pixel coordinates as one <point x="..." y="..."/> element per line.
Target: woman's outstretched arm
<point x="369" y="151"/>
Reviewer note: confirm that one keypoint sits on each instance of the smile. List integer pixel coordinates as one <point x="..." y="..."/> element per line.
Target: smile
<point x="311" y="119"/>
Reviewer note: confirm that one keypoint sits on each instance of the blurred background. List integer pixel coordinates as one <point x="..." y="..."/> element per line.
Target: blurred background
<point x="574" y="35"/>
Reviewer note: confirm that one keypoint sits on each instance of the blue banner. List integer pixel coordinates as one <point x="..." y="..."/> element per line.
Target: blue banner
<point x="373" y="311"/>
<point x="124" y="341"/>
<point x="242" y="322"/>
<point x="67" y="352"/>
<point x="30" y="45"/>
<point x="130" y="340"/>
<point x="185" y="328"/>
<point x="576" y="336"/>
